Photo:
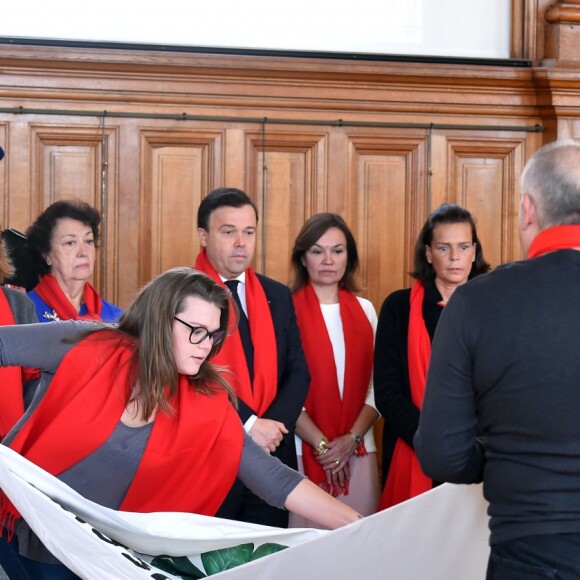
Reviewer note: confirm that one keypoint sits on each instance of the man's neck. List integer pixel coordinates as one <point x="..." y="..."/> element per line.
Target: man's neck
<point x="241" y="277"/>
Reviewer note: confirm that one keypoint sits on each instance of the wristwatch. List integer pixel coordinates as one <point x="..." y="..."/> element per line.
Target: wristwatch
<point x="356" y="437"/>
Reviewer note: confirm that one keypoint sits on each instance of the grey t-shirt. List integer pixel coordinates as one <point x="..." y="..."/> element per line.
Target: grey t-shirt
<point x="44" y="346"/>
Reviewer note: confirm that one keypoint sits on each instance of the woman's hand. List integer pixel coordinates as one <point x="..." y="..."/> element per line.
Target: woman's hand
<point x="339" y="451"/>
<point x="268" y="434"/>
<point x="335" y="460"/>
<point x="339" y="476"/>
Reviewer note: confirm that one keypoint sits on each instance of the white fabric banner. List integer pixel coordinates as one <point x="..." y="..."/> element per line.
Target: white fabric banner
<point x="441" y="535"/>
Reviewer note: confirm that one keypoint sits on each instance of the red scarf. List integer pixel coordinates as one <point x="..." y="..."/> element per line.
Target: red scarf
<point x="192" y="456"/>
<point x="50" y="291"/>
<point x="260" y="395"/>
<point x="12" y="407"/>
<point x="333" y="415"/>
<point x="406" y="478"/>
<point x="555" y="238"/>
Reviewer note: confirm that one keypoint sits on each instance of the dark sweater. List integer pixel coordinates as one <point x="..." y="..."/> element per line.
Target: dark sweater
<point x="391" y="371"/>
<point x="505" y="366"/>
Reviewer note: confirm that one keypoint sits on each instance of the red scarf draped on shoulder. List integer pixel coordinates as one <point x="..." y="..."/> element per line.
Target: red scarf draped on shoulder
<point x="406" y="478"/>
<point x="50" y="291"/>
<point x="192" y="456"/>
<point x="12" y="407"/>
<point x="262" y="393"/>
<point x="555" y="238"/>
<point x="333" y="415"/>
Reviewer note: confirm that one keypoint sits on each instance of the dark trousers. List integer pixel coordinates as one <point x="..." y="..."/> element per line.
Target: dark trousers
<point x="9" y="559"/>
<point x="20" y="568"/>
<point x="554" y="556"/>
<point x="242" y="505"/>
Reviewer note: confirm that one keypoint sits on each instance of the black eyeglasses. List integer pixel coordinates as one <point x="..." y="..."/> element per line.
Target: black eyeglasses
<point x="199" y="333"/>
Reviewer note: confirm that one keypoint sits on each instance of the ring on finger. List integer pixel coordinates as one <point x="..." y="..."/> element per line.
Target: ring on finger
<point x="337" y="462"/>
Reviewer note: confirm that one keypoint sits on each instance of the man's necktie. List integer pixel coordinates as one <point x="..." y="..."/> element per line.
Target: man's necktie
<point x="244" y="328"/>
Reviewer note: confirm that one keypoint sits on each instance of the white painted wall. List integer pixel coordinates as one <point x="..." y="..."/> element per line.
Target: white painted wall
<point x="468" y="28"/>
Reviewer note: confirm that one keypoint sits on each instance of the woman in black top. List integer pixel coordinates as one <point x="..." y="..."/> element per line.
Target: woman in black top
<point x="447" y="254"/>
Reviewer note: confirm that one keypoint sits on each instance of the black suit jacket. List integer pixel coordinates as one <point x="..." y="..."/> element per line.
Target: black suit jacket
<point x="293" y="375"/>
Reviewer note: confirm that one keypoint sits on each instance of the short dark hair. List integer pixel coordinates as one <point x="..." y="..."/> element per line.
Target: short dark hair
<point x="312" y="230"/>
<point x="222" y="197"/>
<point x="39" y="234"/>
<point x="447" y="213"/>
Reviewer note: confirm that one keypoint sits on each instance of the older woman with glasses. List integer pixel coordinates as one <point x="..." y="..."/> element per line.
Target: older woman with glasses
<point x="141" y="419"/>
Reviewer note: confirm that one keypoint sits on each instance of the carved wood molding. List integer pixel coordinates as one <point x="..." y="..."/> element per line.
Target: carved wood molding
<point x="558" y="92"/>
<point x="267" y="86"/>
<point x="125" y="68"/>
<point x="527" y="29"/>
<point x="564" y="12"/>
<point x="562" y="34"/>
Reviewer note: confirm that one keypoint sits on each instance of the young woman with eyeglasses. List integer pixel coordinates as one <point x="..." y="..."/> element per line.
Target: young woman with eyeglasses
<point x="141" y="419"/>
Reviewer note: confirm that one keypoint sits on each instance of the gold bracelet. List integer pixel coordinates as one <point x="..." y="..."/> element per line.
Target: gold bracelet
<point x="321" y="447"/>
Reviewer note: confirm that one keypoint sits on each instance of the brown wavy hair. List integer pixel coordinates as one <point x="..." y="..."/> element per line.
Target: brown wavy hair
<point x="148" y="323"/>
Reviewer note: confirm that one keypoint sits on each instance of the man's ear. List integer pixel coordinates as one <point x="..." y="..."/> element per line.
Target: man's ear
<point x="202" y="237"/>
<point x="528" y="212"/>
<point x="529" y="225"/>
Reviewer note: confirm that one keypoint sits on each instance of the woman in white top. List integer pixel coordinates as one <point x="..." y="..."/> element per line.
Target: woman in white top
<point x="336" y="447"/>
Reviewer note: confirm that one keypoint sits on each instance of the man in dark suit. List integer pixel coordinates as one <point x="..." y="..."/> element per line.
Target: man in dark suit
<point x="264" y="355"/>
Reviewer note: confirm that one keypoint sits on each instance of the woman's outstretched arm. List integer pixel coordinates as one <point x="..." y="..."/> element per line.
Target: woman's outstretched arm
<point x="310" y="501"/>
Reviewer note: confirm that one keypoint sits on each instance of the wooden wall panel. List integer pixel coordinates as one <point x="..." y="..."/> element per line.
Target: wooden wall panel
<point x="292" y="164"/>
<point x="483" y="176"/>
<point x="387" y="205"/>
<point x="477" y="179"/>
<point x="67" y="163"/>
<point x="128" y="214"/>
<point x="373" y="141"/>
<point x="177" y="171"/>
